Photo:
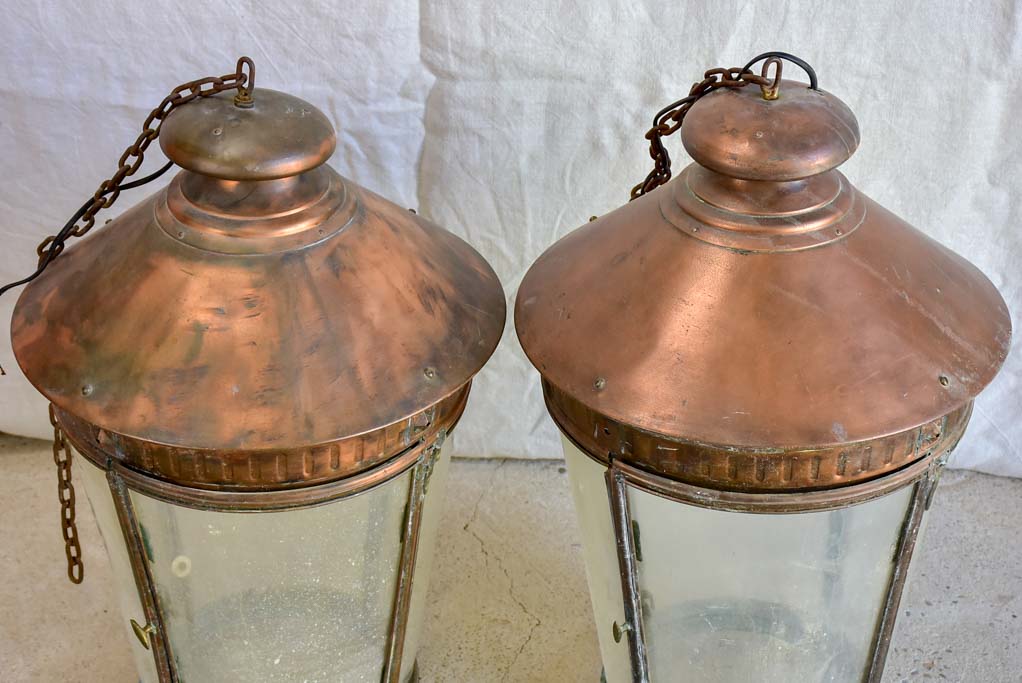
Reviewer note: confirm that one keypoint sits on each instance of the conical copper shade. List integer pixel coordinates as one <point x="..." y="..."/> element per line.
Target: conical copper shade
<point x="262" y="321"/>
<point x="758" y="323"/>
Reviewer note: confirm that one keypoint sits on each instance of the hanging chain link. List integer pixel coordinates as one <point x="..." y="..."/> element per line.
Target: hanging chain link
<point x="66" y="495"/>
<point x="242" y="80"/>
<point x="110" y="189"/>
<point x="669" y="119"/>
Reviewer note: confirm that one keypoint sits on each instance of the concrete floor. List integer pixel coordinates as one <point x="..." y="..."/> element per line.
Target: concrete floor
<point x="508" y="601"/>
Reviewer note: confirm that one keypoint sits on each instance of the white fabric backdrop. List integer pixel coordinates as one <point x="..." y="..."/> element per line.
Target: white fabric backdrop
<point x="511" y="123"/>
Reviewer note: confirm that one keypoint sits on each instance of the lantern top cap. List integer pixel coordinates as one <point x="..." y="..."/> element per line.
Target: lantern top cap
<point x="275" y="135"/>
<point x="756" y="323"/>
<point x="739" y="133"/>
<point x="261" y="309"/>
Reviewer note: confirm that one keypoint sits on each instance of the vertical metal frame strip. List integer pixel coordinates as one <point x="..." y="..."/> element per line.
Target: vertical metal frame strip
<point x="622" y="517"/>
<point x="903" y="558"/>
<point x="409" y="553"/>
<point x="159" y="642"/>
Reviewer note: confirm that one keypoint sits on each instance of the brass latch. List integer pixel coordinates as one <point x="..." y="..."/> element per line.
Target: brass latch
<point x="620" y="630"/>
<point x="143" y="633"/>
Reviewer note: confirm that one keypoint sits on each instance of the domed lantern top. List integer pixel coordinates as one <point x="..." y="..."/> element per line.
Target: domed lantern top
<point x="757" y="323"/>
<point x="262" y="322"/>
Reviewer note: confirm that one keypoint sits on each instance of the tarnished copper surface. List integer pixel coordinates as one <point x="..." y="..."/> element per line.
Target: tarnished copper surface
<point x="791" y="317"/>
<point x="729" y="468"/>
<point x="275" y="469"/>
<point x="145" y="335"/>
<point x="280" y="135"/>
<point x="738" y="132"/>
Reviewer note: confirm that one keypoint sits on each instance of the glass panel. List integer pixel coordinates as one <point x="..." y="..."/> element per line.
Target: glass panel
<point x="97" y="490"/>
<point x="431" y="512"/>
<point x="735" y="597"/>
<point x="589" y="489"/>
<point x="301" y="595"/>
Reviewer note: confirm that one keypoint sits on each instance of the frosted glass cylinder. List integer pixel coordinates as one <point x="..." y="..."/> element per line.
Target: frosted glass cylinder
<point x="295" y="595"/>
<point x="732" y="597"/>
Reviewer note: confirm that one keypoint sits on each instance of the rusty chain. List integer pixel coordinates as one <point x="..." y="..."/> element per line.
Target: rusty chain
<point x="669" y="119"/>
<point x="66" y="495"/>
<point x="242" y="79"/>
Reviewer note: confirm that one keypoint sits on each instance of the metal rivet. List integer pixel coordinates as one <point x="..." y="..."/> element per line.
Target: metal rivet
<point x="430" y="373"/>
<point x="412" y="211"/>
<point x="181" y="234"/>
<point x="838" y="232"/>
<point x="87" y="390"/>
<point x="218" y="131"/>
<point x="944" y="380"/>
<point x="593" y="218"/>
<point x="599" y="383"/>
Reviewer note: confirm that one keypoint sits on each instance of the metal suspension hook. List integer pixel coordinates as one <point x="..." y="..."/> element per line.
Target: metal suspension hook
<point x="246" y="83"/>
<point x="772" y="88"/>
<point x="797" y="61"/>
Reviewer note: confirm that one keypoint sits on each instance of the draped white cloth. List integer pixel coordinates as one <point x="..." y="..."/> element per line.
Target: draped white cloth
<point x="511" y="123"/>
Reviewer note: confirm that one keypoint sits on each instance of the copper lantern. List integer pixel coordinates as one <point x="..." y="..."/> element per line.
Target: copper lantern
<point x="259" y="366"/>
<point x="759" y="374"/>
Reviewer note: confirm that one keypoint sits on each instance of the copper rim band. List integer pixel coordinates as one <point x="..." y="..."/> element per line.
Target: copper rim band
<point x="420" y="431"/>
<point x="725" y="473"/>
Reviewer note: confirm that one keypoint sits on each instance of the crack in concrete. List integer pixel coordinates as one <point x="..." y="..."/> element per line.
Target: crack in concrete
<point x="486" y="492"/>
<point x="536" y="621"/>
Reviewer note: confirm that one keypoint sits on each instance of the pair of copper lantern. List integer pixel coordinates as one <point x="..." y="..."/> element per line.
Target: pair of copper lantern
<point x="758" y="373"/>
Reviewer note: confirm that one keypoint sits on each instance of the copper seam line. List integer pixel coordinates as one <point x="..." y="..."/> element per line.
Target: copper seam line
<point x="406" y="570"/>
<point x="159" y="642"/>
<point x="618" y="499"/>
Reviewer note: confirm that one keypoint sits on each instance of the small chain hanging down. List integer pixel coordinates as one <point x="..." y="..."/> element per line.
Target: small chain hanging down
<point x="242" y="80"/>
<point x="66" y="495"/>
<point x="668" y="120"/>
<point x="85" y="218"/>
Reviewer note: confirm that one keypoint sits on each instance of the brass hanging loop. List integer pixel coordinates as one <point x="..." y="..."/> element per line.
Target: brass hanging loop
<point x="246" y="83"/>
<point x="772" y="88"/>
